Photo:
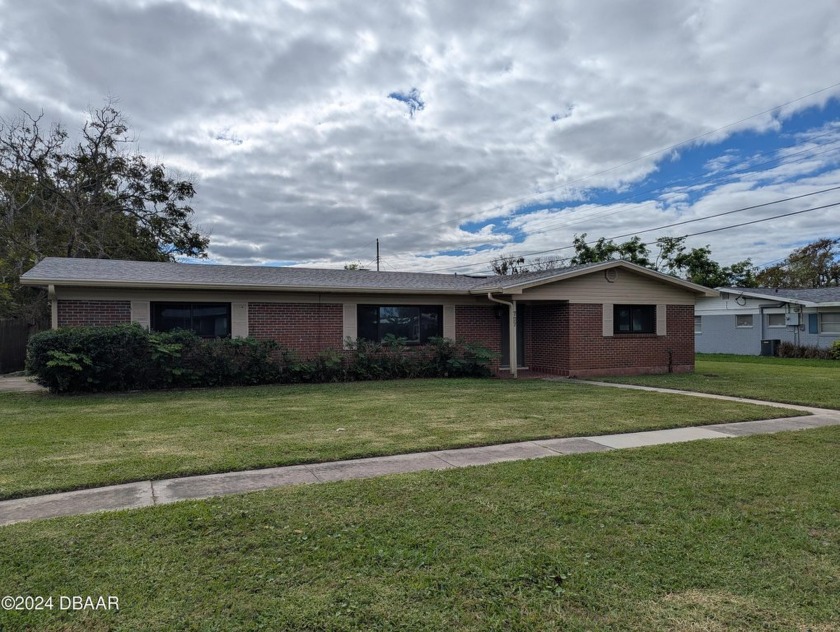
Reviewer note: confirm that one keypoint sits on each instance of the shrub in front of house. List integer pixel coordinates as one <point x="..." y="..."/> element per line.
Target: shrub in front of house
<point x="127" y="357"/>
<point x="90" y="358"/>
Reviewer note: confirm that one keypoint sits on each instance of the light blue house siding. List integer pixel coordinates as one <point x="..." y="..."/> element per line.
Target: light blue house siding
<point x="737" y="323"/>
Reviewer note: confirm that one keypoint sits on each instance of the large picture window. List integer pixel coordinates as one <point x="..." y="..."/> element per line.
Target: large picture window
<point x="414" y="323"/>
<point x="208" y="320"/>
<point x="634" y="319"/>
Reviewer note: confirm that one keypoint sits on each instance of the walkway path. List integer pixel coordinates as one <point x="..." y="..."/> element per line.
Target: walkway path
<point x="150" y="493"/>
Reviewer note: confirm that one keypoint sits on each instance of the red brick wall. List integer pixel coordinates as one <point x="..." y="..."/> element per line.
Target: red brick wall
<point x="306" y="328"/>
<point x="592" y="353"/>
<point x="549" y="349"/>
<point x="478" y="324"/>
<point x="93" y="313"/>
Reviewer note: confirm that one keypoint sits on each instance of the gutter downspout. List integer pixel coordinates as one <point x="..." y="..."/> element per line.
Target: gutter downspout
<point x="512" y="350"/>
<point x="53" y="306"/>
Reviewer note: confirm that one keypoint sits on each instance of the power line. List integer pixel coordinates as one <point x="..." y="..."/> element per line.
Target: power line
<point x="636" y="194"/>
<point x="516" y="201"/>
<point x="738" y="210"/>
<point x="698" y="219"/>
<point x="765" y="219"/>
<point x="715" y="230"/>
<point x="692" y="182"/>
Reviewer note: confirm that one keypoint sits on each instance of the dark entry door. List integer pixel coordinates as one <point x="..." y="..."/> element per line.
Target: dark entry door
<point x="520" y="336"/>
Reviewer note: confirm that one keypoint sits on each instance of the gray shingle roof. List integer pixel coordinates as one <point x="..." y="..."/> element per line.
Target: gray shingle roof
<point x="802" y="295"/>
<point x="117" y="273"/>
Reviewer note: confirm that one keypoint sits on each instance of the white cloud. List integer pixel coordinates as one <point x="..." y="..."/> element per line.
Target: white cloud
<point x="281" y="112"/>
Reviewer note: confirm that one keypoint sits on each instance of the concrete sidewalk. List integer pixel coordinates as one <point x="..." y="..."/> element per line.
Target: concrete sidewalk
<point x="151" y="493"/>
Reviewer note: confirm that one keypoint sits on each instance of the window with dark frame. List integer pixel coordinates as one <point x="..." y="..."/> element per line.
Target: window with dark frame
<point x="414" y="323"/>
<point x="208" y="320"/>
<point x="634" y="319"/>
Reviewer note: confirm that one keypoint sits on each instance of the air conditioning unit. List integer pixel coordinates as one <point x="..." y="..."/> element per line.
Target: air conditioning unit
<point x="792" y="320"/>
<point x="724" y="296"/>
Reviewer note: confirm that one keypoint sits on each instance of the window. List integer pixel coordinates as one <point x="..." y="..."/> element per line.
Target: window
<point x="698" y="324"/>
<point x="415" y="323"/>
<point x="208" y="320"/>
<point x="743" y="320"/>
<point x="634" y="319"/>
<point x="830" y="323"/>
<point x="775" y="320"/>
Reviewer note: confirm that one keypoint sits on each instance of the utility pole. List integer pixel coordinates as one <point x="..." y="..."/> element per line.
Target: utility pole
<point x="377" y="254"/>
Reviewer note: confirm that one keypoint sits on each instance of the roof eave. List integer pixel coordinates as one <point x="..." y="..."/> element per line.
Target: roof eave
<point x="135" y="285"/>
<point x="774" y="297"/>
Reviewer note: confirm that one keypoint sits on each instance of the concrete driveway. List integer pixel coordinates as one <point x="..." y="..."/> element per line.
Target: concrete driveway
<point x="19" y="384"/>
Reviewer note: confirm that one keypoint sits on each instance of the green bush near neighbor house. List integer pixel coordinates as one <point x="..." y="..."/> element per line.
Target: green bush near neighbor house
<point x="790" y="350"/>
<point x="127" y="357"/>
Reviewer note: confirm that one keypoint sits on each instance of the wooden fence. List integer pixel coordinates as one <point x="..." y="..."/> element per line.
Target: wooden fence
<point x="14" y="334"/>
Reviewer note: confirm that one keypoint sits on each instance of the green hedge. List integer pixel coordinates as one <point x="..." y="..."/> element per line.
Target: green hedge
<point x="127" y="357"/>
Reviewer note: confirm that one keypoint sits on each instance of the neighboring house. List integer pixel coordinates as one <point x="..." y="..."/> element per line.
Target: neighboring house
<point x="740" y="318"/>
<point x="596" y="319"/>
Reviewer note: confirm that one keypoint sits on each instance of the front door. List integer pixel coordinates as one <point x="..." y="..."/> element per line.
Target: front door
<point x="520" y="337"/>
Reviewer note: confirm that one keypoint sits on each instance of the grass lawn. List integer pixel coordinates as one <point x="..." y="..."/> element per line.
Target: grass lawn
<point x="736" y="534"/>
<point x="790" y="380"/>
<point x="52" y="443"/>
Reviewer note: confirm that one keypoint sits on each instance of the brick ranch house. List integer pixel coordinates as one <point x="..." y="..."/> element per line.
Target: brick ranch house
<point x="610" y="318"/>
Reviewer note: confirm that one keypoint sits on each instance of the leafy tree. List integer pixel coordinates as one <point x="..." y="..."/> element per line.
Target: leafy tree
<point x="96" y="197"/>
<point x="695" y="265"/>
<point x="632" y="250"/>
<point x="814" y="265"/>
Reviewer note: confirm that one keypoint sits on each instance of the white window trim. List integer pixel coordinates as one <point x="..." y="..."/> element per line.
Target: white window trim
<point x="750" y="326"/>
<point x="820" y="323"/>
<point x="782" y="326"/>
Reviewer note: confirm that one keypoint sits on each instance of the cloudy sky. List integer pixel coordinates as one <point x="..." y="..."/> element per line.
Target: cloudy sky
<point x="456" y="132"/>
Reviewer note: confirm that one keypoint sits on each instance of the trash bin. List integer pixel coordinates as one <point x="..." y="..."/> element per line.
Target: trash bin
<point x="770" y="347"/>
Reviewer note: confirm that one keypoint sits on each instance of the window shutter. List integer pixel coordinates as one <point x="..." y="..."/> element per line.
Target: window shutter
<point x="349" y="329"/>
<point x="239" y="320"/>
<point x="813" y="323"/>
<point x="449" y="322"/>
<point x="140" y="313"/>
<point x="607" y="319"/>
<point x="661" y="320"/>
